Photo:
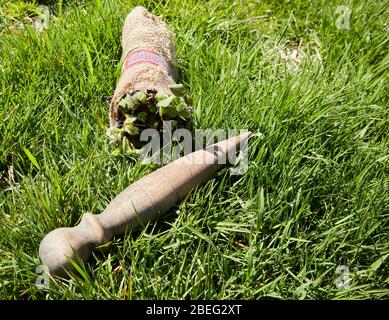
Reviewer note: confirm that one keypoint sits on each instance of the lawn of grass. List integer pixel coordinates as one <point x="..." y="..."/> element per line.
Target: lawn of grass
<point x="316" y="192"/>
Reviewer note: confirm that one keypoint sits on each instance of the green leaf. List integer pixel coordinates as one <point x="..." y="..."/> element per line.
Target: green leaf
<point x="162" y="111"/>
<point x="142" y="116"/>
<point x="132" y="152"/>
<point x="153" y="108"/>
<point x="127" y="104"/>
<point x="177" y="89"/>
<point x="139" y="97"/>
<point x="112" y="135"/>
<point x="129" y="120"/>
<point x="116" y="152"/>
<point x="181" y="105"/>
<point x="182" y="109"/>
<point x="116" y="129"/>
<point x="166" y="102"/>
<point x="121" y="135"/>
<point x="184" y="114"/>
<point x="115" y="133"/>
<point x="172" y="112"/>
<point x="160" y="96"/>
<point x="131" y="129"/>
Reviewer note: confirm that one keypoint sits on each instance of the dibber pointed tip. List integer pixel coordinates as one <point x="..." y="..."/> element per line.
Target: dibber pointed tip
<point x="244" y="136"/>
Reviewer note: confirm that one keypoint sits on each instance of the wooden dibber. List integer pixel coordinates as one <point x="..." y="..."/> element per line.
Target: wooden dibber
<point x="141" y="202"/>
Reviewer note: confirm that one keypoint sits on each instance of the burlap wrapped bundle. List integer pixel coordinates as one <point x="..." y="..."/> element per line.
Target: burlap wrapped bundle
<point x="147" y="92"/>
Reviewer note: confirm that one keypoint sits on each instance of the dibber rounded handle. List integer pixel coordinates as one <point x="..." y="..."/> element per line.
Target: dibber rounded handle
<point x="78" y="242"/>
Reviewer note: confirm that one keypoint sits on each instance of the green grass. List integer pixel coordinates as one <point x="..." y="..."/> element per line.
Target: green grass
<point x="316" y="193"/>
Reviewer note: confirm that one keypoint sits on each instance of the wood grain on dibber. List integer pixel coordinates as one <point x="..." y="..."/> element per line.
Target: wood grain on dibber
<point x="141" y="202"/>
